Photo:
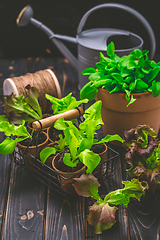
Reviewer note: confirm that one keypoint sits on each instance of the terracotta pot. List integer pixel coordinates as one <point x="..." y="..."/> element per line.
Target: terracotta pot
<point x="117" y="117"/>
<point x="66" y="178"/>
<point x="98" y="170"/>
<point x="29" y="160"/>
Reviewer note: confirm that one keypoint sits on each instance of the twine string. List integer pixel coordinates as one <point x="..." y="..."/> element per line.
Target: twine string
<point x="43" y="81"/>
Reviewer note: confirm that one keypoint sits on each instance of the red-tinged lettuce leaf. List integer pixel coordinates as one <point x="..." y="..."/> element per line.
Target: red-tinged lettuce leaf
<point x="139" y="135"/>
<point x="101" y="217"/>
<point x="17" y="118"/>
<point x="137" y="154"/>
<point x="87" y="186"/>
<point x="17" y="109"/>
<point x="140" y="143"/>
<point x="129" y="136"/>
<point x="151" y="177"/>
<point x="32" y="99"/>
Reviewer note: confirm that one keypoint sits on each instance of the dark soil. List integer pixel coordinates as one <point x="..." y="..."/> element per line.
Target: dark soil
<point x="62" y="167"/>
<point x="54" y="134"/>
<point x="41" y="139"/>
<point x="98" y="148"/>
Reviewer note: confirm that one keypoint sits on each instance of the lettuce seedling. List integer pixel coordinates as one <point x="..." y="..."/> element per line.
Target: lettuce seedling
<point x="133" y="73"/>
<point x="80" y="141"/>
<point x="102" y="213"/>
<point x="19" y="133"/>
<point x="20" y="108"/>
<point x="64" y="104"/>
<point x="143" y="155"/>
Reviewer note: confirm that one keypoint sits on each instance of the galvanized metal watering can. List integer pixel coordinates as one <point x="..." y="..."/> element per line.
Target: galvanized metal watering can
<point x="93" y="41"/>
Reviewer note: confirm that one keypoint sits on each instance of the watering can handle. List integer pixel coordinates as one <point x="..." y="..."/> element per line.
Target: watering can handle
<point x="128" y="9"/>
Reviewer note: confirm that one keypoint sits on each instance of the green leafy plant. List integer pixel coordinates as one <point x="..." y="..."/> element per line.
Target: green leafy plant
<point x="143" y="155"/>
<point x="80" y="140"/>
<point x="133" y="73"/>
<point x="102" y="213"/>
<point x="64" y="104"/>
<point x="19" y="132"/>
<point x="58" y="147"/>
<point x="20" y="108"/>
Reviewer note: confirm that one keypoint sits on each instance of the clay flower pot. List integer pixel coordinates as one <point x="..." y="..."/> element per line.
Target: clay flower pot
<point x="29" y="160"/>
<point x="117" y="117"/>
<point x="66" y="178"/>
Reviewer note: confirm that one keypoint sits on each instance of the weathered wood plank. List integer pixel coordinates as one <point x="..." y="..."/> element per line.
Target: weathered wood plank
<point x="120" y="229"/>
<point x="25" y="206"/>
<point x="65" y="218"/>
<point x="144" y="217"/>
<point x="4" y="180"/>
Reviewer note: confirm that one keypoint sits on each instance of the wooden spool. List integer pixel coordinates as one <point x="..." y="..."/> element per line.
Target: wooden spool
<point x="44" y="80"/>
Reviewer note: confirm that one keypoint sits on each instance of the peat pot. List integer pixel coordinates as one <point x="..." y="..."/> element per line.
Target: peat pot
<point x="117" y="117"/>
<point x="29" y="154"/>
<point x="66" y="178"/>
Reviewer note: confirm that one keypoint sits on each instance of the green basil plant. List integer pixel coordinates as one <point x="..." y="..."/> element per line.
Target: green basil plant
<point x="80" y="140"/>
<point x="133" y="73"/>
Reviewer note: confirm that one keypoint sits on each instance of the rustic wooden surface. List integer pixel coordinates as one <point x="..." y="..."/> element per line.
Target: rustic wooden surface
<point x="31" y="210"/>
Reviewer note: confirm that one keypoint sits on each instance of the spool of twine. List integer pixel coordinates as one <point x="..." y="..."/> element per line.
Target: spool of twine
<point x="44" y="80"/>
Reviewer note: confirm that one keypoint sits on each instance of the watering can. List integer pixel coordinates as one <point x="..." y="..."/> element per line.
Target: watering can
<point x="93" y="41"/>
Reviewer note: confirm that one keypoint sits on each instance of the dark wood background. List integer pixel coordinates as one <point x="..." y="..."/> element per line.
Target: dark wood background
<point x="63" y="17"/>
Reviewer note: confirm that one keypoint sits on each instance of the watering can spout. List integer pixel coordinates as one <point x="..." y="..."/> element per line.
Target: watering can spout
<point x="26" y="16"/>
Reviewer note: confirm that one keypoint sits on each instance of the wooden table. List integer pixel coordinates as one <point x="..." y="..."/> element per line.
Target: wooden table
<point x="31" y="210"/>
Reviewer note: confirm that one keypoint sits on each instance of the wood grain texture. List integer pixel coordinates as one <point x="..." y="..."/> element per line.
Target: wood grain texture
<point x="30" y="210"/>
<point x="144" y="217"/>
<point x="4" y="181"/>
<point x="65" y="217"/>
<point x="25" y="206"/>
<point x="113" y="181"/>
